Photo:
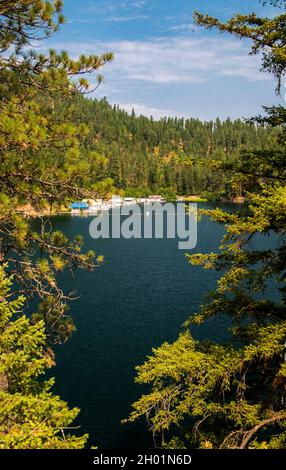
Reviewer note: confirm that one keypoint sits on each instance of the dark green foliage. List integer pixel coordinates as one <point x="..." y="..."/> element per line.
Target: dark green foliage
<point x="40" y="166"/>
<point x="31" y="417"/>
<point x="188" y="156"/>
<point x="41" y="163"/>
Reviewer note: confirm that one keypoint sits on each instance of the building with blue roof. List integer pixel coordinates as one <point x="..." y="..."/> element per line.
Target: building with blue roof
<point x="79" y="206"/>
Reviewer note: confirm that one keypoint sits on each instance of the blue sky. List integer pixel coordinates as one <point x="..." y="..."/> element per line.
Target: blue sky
<point x="163" y="64"/>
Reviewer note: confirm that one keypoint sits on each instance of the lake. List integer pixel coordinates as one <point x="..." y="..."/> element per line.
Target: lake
<point x="138" y="299"/>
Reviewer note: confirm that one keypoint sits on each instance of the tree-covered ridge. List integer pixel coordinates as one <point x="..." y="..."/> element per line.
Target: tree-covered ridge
<point x="186" y="155"/>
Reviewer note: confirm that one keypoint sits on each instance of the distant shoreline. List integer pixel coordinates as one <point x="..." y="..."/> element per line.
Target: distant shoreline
<point x="236" y="200"/>
<point x="29" y="211"/>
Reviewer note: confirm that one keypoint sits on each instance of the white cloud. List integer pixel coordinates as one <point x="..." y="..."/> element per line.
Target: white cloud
<point x="116" y="11"/>
<point x="147" y="110"/>
<point x="137" y="3"/>
<point x="184" y="27"/>
<point x="125" y="19"/>
<point x="102" y="7"/>
<point x="172" y="60"/>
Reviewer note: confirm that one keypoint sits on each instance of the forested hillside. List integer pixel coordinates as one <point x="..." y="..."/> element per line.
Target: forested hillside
<point x="169" y="155"/>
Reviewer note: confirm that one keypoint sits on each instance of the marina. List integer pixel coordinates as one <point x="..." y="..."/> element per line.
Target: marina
<point x="96" y="206"/>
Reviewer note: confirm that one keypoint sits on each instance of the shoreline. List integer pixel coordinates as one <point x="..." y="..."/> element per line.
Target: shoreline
<point x="29" y="211"/>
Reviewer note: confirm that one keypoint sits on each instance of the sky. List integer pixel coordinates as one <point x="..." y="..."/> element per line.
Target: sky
<point x="165" y="65"/>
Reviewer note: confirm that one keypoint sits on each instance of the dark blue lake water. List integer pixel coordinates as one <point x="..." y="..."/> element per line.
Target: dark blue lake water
<point x="138" y="299"/>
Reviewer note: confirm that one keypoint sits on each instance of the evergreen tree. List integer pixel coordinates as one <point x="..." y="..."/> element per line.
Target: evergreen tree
<point x="189" y="156"/>
<point x="40" y="164"/>
<point x="31" y="417"/>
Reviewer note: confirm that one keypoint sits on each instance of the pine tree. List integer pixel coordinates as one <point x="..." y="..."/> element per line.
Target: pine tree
<point x="40" y="164"/>
<point x="41" y="160"/>
<point x="31" y="417"/>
